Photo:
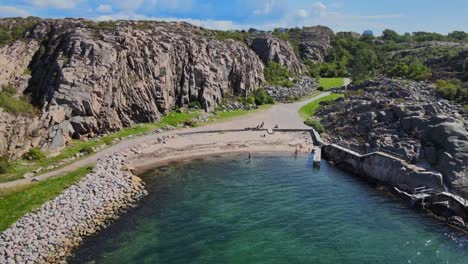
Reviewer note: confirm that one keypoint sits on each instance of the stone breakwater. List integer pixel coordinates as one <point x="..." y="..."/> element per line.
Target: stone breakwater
<point x="49" y="233"/>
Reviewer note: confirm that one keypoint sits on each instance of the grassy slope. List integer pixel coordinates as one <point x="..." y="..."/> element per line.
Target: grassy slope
<point x="15" y="204"/>
<point x="328" y="83"/>
<point x="308" y="110"/>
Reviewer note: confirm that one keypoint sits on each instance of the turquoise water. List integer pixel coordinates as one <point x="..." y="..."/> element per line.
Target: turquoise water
<point x="272" y="210"/>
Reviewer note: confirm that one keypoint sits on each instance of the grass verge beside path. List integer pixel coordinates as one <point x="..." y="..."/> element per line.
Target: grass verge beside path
<point x="20" y="167"/>
<point x="309" y="109"/>
<point x="328" y="83"/>
<point x="15" y="203"/>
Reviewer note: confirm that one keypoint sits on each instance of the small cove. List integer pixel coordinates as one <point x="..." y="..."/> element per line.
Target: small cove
<point x="275" y="209"/>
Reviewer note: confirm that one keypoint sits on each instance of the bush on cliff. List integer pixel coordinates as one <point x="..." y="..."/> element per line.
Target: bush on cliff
<point x="261" y="97"/>
<point x="315" y="124"/>
<point x="5" y="165"/>
<point x="34" y="154"/>
<point x="11" y="104"/>
<point x="276" y="74"/>
<point x="413" y="70"/>
<point x="452" y="90"/>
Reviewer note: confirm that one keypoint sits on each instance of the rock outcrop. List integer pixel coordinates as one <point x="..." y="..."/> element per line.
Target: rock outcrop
<point x="90" y="78"/>
<point x="270" y="48"/>
<point x="314" y="42"/>
<point x="406" y="119"/>
<point x="302" y="87"/>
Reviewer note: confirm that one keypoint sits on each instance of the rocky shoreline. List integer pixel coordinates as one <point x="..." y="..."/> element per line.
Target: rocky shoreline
<point x="49" y="233"/>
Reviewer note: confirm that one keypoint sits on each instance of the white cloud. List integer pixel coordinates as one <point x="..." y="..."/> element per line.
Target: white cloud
<point x="104" y="9"/>
<point x="319" y="8"/>
<point x="302" y="13"/>
<point x="64" y="4"/>
<point x="11" y="11"/>
<point x="208" y="23"/>
<point x="266" y="8"/>
<point x="316" y="14"/>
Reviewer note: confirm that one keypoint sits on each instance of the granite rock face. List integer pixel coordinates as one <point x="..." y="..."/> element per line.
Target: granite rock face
<point x="270" y="48"/>
<point x="314" y="42"/>
<point x="406" y="119"/>
<point x="88" y="78"/>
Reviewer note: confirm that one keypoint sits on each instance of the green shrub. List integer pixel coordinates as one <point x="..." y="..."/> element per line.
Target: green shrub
<point x="315" y="124"/>
<point x="261" y="97"/>
<point x="448" y="89"/>
<point x="27" y="71"/>
<point x="11" y="104"/>
<point x="5" y="165"/>
<point x="87" y="149"/>
<point x="194" y="104"/>
<point x="235" y="35"/>
<point x="276" y="74"/>
<point x="34" y="154"/>
<point x="415" y="70"/>
<point x="9" y="89"/>
<point x="190" y="123"/>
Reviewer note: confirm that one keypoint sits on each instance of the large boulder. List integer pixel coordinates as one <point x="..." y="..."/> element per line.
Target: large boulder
<point x="270" y="48"/>
<point x="314" y="42"/>
<point x="446" y="145"/>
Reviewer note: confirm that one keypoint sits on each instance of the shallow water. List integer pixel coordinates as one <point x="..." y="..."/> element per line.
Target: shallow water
<point x="271" y="210"/>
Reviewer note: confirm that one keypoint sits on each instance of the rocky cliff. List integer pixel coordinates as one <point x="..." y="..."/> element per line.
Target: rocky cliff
<point x="314" y="42"/>
<point x="406" y="119"/>
<point x="89" y="78"/>
<point x="270" y="48"/>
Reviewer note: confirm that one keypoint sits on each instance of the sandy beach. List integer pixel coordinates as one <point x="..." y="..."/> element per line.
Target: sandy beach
<point x="186" y="147"/>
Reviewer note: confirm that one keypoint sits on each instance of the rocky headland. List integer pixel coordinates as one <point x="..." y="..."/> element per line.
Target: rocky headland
<point x="406" y="119"/>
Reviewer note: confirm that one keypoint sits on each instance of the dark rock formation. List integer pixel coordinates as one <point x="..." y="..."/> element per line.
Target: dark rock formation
<point x="270" y="48"/>
<point x="348" y="34"/>
<point x="406" y="119"/>
<point x="303" y="87"/>
<point x="314" y="42"/>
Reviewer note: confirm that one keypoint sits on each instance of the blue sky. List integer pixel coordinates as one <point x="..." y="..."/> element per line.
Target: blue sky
<point x="340" y="15"/>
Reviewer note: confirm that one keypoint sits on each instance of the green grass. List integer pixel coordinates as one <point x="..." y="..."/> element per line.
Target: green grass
<point x="14" y="105"/>
<point x="328" y="83"/>
<point x="309" y="110"/>
<point x="14" y="204"/>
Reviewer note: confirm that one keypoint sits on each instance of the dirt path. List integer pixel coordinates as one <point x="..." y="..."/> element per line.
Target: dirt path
<point x="283" y="115"/>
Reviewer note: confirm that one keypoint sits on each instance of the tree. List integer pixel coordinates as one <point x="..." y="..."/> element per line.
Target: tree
<point x="458" y="35"/>
<point x="415" y="70"/>
<point x="391" y="35"/>
<point x="364" y="65"/>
